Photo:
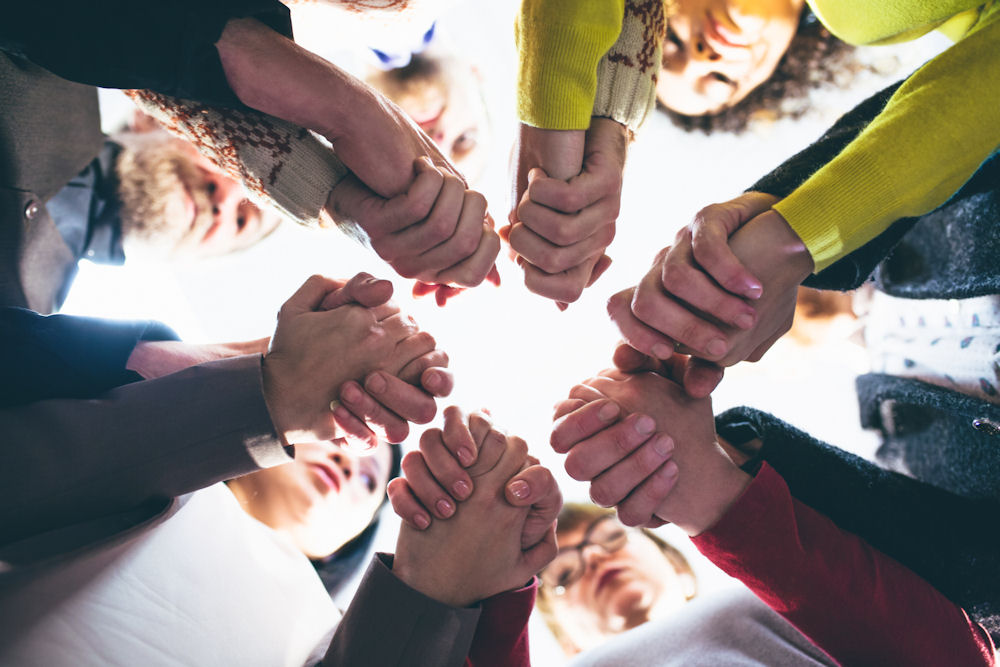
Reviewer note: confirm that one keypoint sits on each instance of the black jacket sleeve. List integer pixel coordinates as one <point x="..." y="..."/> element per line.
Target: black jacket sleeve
<point x="61" y="356"/>
<point x="948" y="540"/>
<point x="167" y="47"/>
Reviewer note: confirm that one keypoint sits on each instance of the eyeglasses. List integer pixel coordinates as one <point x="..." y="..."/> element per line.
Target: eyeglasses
<point x="568" y="565"/>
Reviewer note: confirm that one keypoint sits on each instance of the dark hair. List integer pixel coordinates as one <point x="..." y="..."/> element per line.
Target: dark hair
<point x="336" y="570"/>
<point x="814" y="58"/>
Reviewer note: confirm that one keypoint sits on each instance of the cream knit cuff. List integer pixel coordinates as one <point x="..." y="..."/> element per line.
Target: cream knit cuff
<point x="627" y="74"/>
<point x="282" y="166"/>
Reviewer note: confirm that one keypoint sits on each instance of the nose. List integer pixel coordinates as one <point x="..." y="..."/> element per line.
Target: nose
<point x="226" y="196"/>
<point x="594" y="555"/>
<point x="345" y="463"/>
<point x="701" y="50"/>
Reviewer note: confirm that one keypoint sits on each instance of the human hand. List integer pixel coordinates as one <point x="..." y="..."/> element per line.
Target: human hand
<point x="699" y="377"/>
<point x="652" y="318"/>
<point x="307" y="362"/>
<point x="479" y="552"/>
<point x="443" y="465"/>
<point x="627" y="463"/>
<point x="566" y="207"/>
<point x="373" y="137"/>
<point x="436" y="232"/>
<point x="708" y="481"/>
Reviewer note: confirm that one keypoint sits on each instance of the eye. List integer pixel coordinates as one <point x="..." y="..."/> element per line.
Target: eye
<point x="467" y="141"/>
<point x="673" y="44"/>
<point x="369" y="482"/>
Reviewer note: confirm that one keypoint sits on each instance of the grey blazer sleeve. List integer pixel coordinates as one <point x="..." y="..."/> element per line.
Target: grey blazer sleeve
<point x="391" y="625"/>
<point x="66" y="461"/>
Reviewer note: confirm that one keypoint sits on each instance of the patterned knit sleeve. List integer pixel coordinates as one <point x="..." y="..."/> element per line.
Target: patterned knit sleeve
<point x="282" y="166"/>
<point x="627" y="73"/>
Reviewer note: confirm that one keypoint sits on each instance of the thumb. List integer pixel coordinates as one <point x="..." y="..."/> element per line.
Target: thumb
<point x="311" y="294"/>
<point x="363" y="289"/>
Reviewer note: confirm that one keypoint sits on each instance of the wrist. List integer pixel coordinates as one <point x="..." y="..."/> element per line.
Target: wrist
<point x="770" y="249"/>
<point x="420" y="579"/>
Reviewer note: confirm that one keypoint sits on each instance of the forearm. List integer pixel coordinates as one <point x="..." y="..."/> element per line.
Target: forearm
<point x="111" y="44"/>
<point x="559" y="45"/>
<point x="942" y="537"/>
<point x="932" y="135"/>
<point x="71" y="460"/>
<point x="389" y="623"/>
<point x="858" y="605"/>
<point x="281" y="165"/>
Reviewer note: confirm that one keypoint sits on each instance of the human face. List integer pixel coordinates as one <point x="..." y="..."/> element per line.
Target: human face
<point x="451" y="110"/>
<point x="176" y="203"/>
<point x="617" y="589"/>
<point x="717" y="51"/>
<point x="322" y="499"/>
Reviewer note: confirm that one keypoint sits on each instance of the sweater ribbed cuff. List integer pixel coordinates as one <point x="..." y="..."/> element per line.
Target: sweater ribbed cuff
<point x="627" y="74"/>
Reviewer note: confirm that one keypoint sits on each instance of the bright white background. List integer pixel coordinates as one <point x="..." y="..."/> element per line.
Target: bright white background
<point x="511" y="351"/>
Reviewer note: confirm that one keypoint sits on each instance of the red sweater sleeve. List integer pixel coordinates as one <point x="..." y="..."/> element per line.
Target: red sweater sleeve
<point x="853" y="601"/>
<point x="501" y="638"/>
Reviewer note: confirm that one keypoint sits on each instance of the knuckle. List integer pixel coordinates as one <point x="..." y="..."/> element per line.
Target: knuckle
<point x="630" y="516"/>
<point x="412" y="462"/>
<point x="675" y="275"/>
<point x="600" y="496"/>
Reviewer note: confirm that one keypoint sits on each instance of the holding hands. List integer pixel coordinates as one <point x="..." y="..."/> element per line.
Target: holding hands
<point x="487" y="545"/>
<point x="330" y="333"/>
<point x="565" y="201"/>
<point x="692" y="488"/>
<point x="725" y="292"/>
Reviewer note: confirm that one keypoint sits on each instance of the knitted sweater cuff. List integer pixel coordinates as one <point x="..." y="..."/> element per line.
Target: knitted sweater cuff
<point x="627" y="74"/>
<point x="282" y="166"/>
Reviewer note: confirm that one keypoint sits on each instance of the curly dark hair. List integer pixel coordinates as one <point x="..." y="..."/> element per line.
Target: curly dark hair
<point x="814" y="58"/>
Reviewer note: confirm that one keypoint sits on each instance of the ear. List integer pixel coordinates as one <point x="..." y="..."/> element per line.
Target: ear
<point x="689" y="585"/>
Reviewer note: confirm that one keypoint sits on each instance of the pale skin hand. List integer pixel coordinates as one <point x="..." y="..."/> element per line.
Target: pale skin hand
<point x="449" y="461"/>
<point x="567" y="192"/>
<point x="306" y="363"/>
<point x="707" y="321"/>
<point x="370" y="134"/>
<point x="708" y="479"/>
<point x="478" y="552"/>
<point x="436" y="231"/>
<point x="374" y="139"/>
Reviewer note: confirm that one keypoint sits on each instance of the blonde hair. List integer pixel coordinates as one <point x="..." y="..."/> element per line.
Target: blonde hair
<point x="576" y="515"/>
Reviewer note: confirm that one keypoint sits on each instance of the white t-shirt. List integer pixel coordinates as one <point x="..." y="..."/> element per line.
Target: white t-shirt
<point x="207" y="586"/>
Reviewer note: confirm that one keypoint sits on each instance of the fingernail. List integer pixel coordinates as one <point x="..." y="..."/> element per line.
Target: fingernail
<point x="661" y="351"/>
<point x="520" y="489"/>
<point x="421" y="521"/>
<point x="351" y="393"/>
<point x="461" y="488"/>
<point x="376" y="383"/>
<point x="744" y="321"/>
<point x="444" y="508"/>
<point x="608" y="412"/>
<point x="716" y="348"/>
<point x="645" y="425"/>
<point x="753" y="291"/>
<point x="465" y="457"/>
<point x="663" y="445"/>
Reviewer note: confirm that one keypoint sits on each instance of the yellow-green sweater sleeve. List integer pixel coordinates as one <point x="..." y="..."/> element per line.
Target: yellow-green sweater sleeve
<point x="933" y="134"/>
<point x="559" y="44"/>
